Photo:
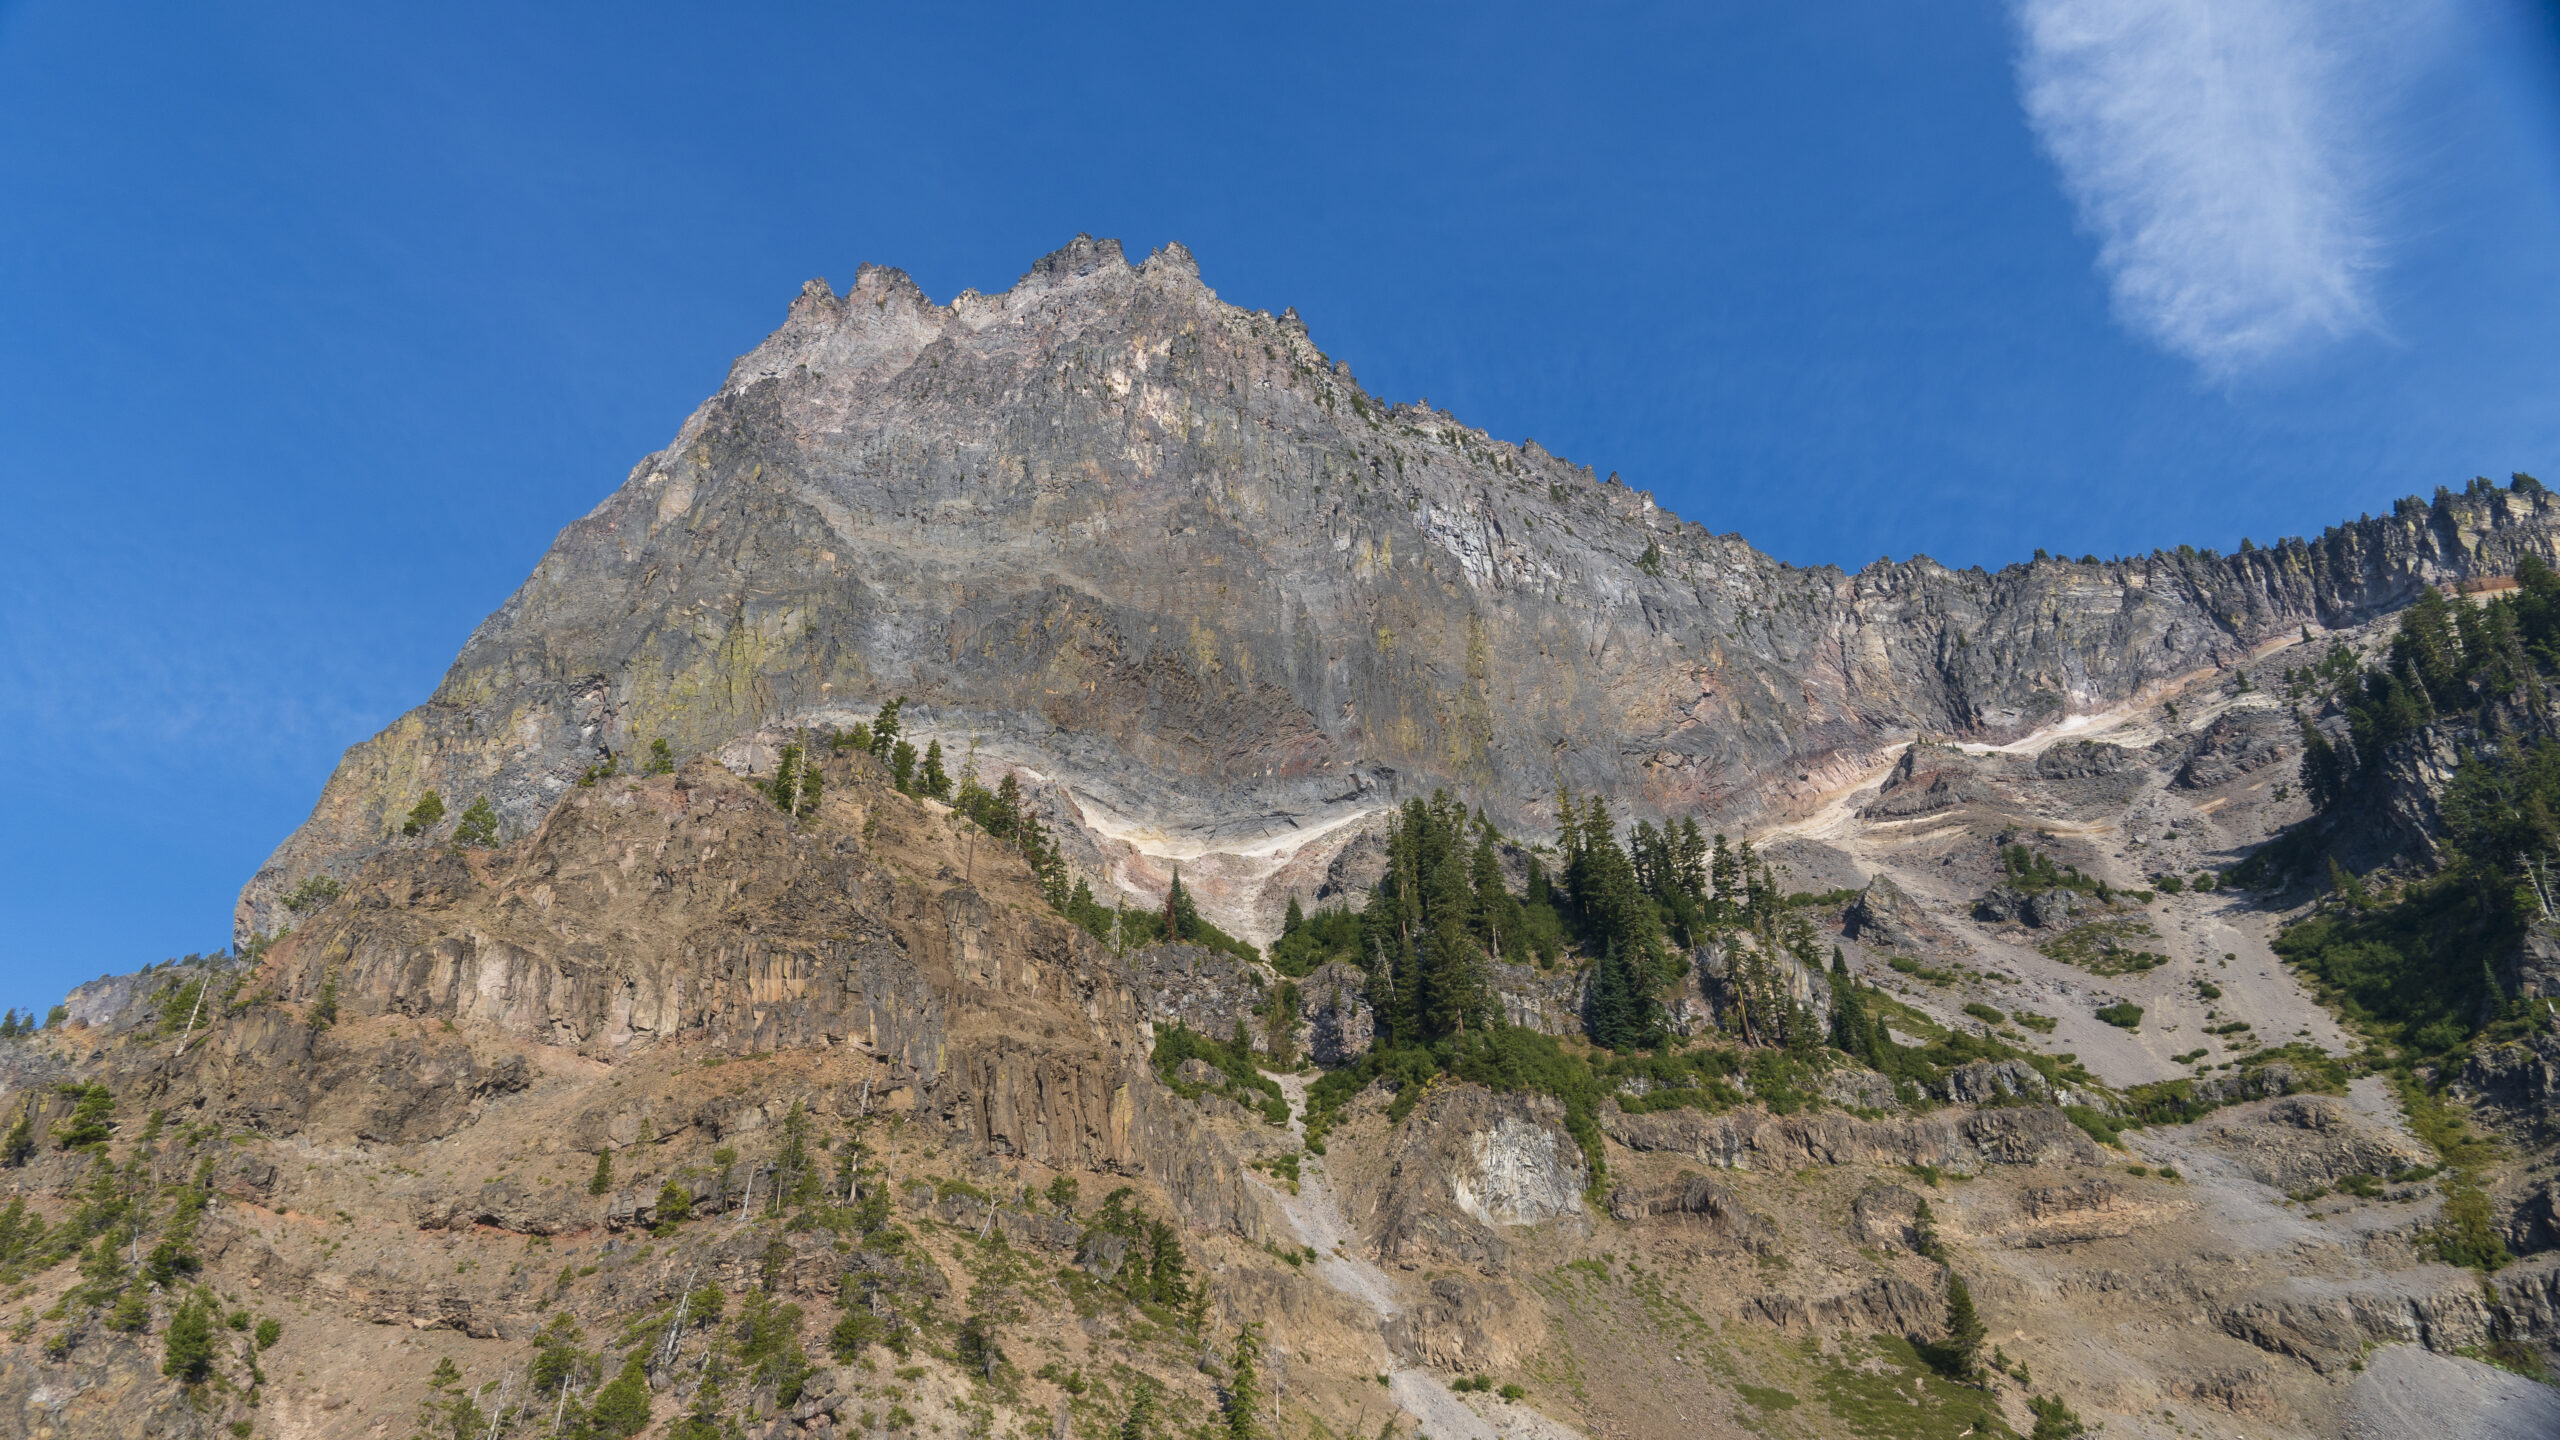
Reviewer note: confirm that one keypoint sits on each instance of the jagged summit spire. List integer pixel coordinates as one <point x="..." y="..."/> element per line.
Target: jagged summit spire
<point x="1074" y="260"/>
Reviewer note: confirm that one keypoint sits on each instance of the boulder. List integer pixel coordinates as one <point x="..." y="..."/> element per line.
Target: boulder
<point x="1886" y="917"/>
<point x="1929" y="778"/>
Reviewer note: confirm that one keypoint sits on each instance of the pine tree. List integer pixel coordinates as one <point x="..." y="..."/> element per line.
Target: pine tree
<point x="977" y="1347"/>
<point x="884" y="729"/>
<point x="1848" y="1012"/>
<point x="88" y="1125"/>
<point x="1605" y="1003"/>
<point x="1296" y="917"/>
<point x="2324" y="770"/>
<point x="936" y="781"/>
<point x="2054" y="1420"/>
<point x="1181" y="917"/>
<point x="1689" y="858"/>
<point x="622" y="1408"/>
<point x="798" y="785"/>
<point x="601" y="1183"/>
<point x="188" y="1347"/>
<point x="424" y="815"/>
<point x="1961" y="1351"/>
<point x="662" y="758"/>
<point x="1498" y="919"/>
<point x="1727" y="877"/>
<point x="1005" y="816"/>
<point x="1167" y="1270"/>
<point x="1244" y="1386"/>
<point x="20" y="1146"/>
<point x="702" y="1422"/>
<point x="1140" y="1423"/>
<point x="478" y="826"/>
<point x="902" y="767"/>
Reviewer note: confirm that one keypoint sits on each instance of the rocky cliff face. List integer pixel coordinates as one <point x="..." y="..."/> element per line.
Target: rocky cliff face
<point x="1168" y="554"/>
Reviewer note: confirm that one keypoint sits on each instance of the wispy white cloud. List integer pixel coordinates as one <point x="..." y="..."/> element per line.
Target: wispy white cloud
<point x="2225" y="155"/>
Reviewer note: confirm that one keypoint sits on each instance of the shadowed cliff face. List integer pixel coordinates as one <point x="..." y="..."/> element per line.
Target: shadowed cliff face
<point x="1167" y="554"/>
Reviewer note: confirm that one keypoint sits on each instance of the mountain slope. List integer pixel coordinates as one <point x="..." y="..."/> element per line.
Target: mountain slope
<point x="1168" y="555"/>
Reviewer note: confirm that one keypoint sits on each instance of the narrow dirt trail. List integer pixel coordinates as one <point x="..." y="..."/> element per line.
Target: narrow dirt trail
<point x="1317" y="1219"/>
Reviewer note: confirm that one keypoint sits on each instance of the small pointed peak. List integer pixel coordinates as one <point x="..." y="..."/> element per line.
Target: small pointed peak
<point x="1289" y="320"/>
<point x="816" y="298"/>
<point x="1077" y="258"/>
<point x="1173" y="259"/>
<point x="879" y="283"/>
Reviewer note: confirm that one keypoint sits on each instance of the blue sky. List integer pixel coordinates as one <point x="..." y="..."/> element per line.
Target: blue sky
<point x="316" y="323"/>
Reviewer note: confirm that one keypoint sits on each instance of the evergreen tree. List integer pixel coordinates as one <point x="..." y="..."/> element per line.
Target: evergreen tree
<point x="1612" y="905"/>
<point x="977" y="1347"/>
<point x="1181" y="918"/>
<point x="1849" y="1021"/>
<point x="601" y="1183"/>
<point x="884" y="730"/>
<point x="2054" y="1420"/>
<point x="1423" y="929"/>
<point x="1452" y="978"/>
<point x="324" y="1006"/>
<point x="1498" y="918"/>
<point x="478" y="826"/>
<point x="1605" y="1002"/>
<point x="902" y="767"/>
<point x="936" y="781"/>
<point x="1005" y="816"/>
<point x="622" y="1408"/>
<point x="702" y="1422"/>
<point x="1140" y="1423"/>
<point x="1961" y="1352"/>
<point x="89" y="1124"/>
<point x="20" y="1146"/>
<point x="798" y="785"/>
<point x="1726" y="874"/>
<point x="1689" y="861"/>
<point x="188" y="1346"/>
<point x="2324" y="771"/>
<point x="662" y="758"/>
<point x="1244" y="1386"/>
<point x="557" y="1360"/>
<point x="1623" y="1013"/>
<point x="1167" y="1270"/>
<point x="424" y="815"/>
<point x="1289" y="924"/>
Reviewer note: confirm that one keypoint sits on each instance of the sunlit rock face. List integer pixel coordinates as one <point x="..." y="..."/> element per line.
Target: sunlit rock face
<point x="1166" y="556"/>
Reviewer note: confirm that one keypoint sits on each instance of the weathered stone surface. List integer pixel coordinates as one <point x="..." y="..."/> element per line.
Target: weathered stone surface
<point x="1753" y="1139"/>
<point x="1466" y="1166"/>
<point x="1333" y="1003"/>
<point x="1888" y="1304"/>
<point x="2240" y="741"/>
<point x="2304" y="1140"/>
<point x="1994" y="1082"/>
<point x="1547" y="1001"/>
<point x="1701" y="1206"/>
<point x="1886" y="1216"/>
